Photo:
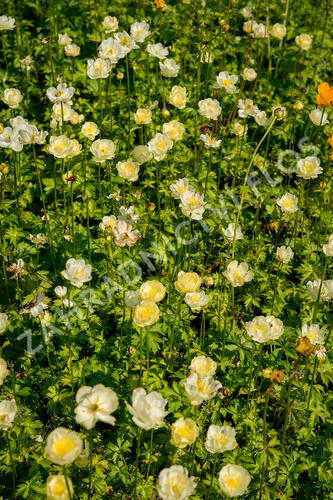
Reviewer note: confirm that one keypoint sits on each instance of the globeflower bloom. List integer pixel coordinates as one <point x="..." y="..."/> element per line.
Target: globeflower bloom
<point x="328" y="247"/>
<point x="124" y="235"/>
<point x="238" y="274"/>
<point x="178" y="97"/>
<point x="148" y="410"/>
<point x="187" y="282"/>
<point x="159" y="145"/>
<point x="8" y="412"/>
<point x="128" y="170"/>
<point x="77" y="272"/>
<point x="152" y="290"/>
<point x="98" y="68"/>
<point x="314" y="333"/>
<point x="203" y="366"/>
<point x="102" y="150"/>
<point x="7" y="23"/>
<point x="201" y="389"/>
<point x="3" y="322"/>
<point x="63" y="446"/>
<point x="318" y="117"/>
<point x="196" y="300"/>
<point x="142" y="116"/>
<point x="264" y="328"/>
<point x="184" y="432"/>
<point x="288" y="203"/>
<point x="60" y="146"/>
<point x="227" y="82"/>
<point x="309" y="167"/>
<point x="234" y="480"/>
<point x="169" y="68"/>
<point x="12" y="97"/>
<point x="146" y="313"/>
<point x="284" y="254"/>
<point x="174" y="483"/>
<point x="95" y="404"/>
<point x="220" y="438"/>
<point x="325" y="95"/>
<point x="209" y="108"/>
<point x="61" y="93"/>
<point x="56" y="487"/>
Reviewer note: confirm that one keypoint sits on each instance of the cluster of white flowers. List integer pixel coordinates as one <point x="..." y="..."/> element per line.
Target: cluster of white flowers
<point x="21" y="133"/>
<point x="247" y="108"/>
<point x="200" y="385"/>
<point x="192" y="203"/>
<point x="258" y="30"/>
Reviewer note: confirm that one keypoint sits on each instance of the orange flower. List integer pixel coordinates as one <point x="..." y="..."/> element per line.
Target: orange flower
<point x="325" y="95"/>
<point x="330" y="140"/>
<point x="159" y="4"/>
<point x="304" y="346"/>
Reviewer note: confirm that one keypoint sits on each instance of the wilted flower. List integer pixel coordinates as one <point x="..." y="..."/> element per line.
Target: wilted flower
<point x="124" y="235"/>
<point x="146" y="313"/>
<point x="288" y="203"/>
<point x="220" y="438"/>
<point x="77" y="272"/>
<point x="148" y="410"/>
<point x="209" y="108"/>
<point x="314" y="333"/>
<point x="249" y="74"/>
<point x="238" y="274"/>
<point x="279" y="112"/>
<point x="304" y="41"/>
<point x="27" y="63"/>
<point x="102" y="150"/>
<point x="95" y="404"/>
<point x="56" y="487"/>
<point x="201" y="389"/>
<point x="259" y="30"/>
<point x="169" y="68"/>
<point x="8" y="412"/>
<point x="184" y="432"/>
<point x="284" y="254"/>
<point x="304" y="346"/>
<point x="37" y="307"/>
<point x="234" y="480"/>
<point x="63" y="446"/>
<point x="38" y="239"/>
<point x="174" y="483"/>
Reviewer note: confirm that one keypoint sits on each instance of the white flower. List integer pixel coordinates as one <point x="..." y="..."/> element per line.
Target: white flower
<point x="276" y="327"/>
<point x="148" y="410"/>
<point x="159" y="145"/>
<point x="90" y="130"/>
<point x="157" y="50"/>
<point x="27" y="63"/>
<point x="248" y="26"/>
<point x="227" y="82"/>
<point x="132" y="298"/>
<point x="246" y="12"/>
<point x="62" y="112"/>
<point x="110" y="24"/>
<point x="209" y="108"/>
<point x="220" y="439"/>
<point x="60" y="146"/>
<point x="321" y="352"/>
<point x="108" y="223"/>
<point x="246" y="108"/>
<point x="203" y="366"/>
<point x="111" y="50"/>
<point x="98" y="68"/>
<point x="314" y="287"/>
<point x="184" y="432"/>
<point x="61" y="93"/>
<point x="264" y="328"/>
<point x="196" y="300"/>
<point x="278" y="31"/>
<point x="201" y="389"/>
<point x="63" y="446"/>
<point x="261" y="119"/>
<point x="3" y="370"/>
<point x="210" y="141"/>
<point x="284" y="254"/>
<point x="12" y="97"/>
<point x="288" y="203"/>
<point x="234" y="480"/>
<point x="7" y="23"/>
<point x="169" y="68"/>
<point x="77" y="272"/>
<point x="72" y="50"/>
<point x="8" y="412"/>
<point x="37" y="307"/>
<point x="142" y="116"/>
<point x="124" y="235"/>
<point x="140" y="31"/>
<point x="179" y="188"/>
<point x="174" y="483"/>
<point x="95" y="404"/>
<point x="60" y="291"/>
<point x="3" y="322"/>
<point x="192" y="204"/>
<point x="174" y="130"/>
<point x="304" y="41"/>
<point x="318" y="117"/>
<point x="126" y="41"/>
<point x="152" y="290"/>
<point x="64" y="39"/>
<point x="229" y="233"/>
<point x="56" y="487"/>
<point x="309" y="167"/>
<point x="328" y="247"/>
<point x="249" y="74"/>
<point x="178" y="97"/>
<point x="102" y="150"/>
<point x="128" y="170"/>
<point x="238" y="274"/>
<point x="141" y="154"/>
<point x="128" y="214"/>
<point x="314" y="333"/>
<point x="259" y="30"/>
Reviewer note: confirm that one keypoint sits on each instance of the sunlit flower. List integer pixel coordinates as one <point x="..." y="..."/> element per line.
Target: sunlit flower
<point x="210" y="141"/>
<point x="259" y="30"/>
<point x="77" y="272"/>
<point x="264" y="328"/>
<point x="196" y="300"/>
<point x="60" y="146"/>
<point x="179" y="188"/>
<point x="238" y="274"/>
<point x="192" y="204"/>
<point x="220" y="439"/>
<point x="146" y="313"/>
<point x="178" y="97"/>
<point x="309" y="167"/>
<point x="56" y="487"/>
<point x="174" y="130"/>
<point x="142" y="116"/>
<point x="229" y="233"/>
<point x="12" y="97"/>
<point x="209" y="108"/>
<point x="148" y="410"/>
<point x="288" y="203"/>
<point x="249" y="74"/>
<point x="234" y="480"/>
<point x="304" y="41"/>
<point x="110" y="24"/>
<point x="325" y="95"/>
<point x="184" y="432"/>
<point x="328" y="247"/>
<point x="157" y="50"/>
<point x="7" y="23"/>
<point x="174" y="483"/>
<point x="3" y="370"/>
<point x="111" y="50"/>
<point x="227" y="82"/>
<point x="284" y="254"/>
<point x="140" y="31"/>
<point x="63" y="446"/>
<point x="72" y="50"/>
<point x="316" y="285"/>
<point x="278" y="31"/>
<point x="64" y="39"/>
<point x="128" y="215"/>
<point x="60" y="291"/>
<point x="187" y="282"/>
<point x="95" y="404"/>
<point x="318" y="117"/>
<point x="169" y="68"/>
<point x="314" y="333"/>
<point x="159" y="145"/>
<point x="8" y="412"/>
<point x="126" y="41"/>
<point x="201" y="389"/>
<point x="261" y="119"/>
<point x="141" y="154"/>
<point x="102" y="150"/>
<point x="246" y="108"/>
<point x="62" y="112"/>
<point x="90" y="130"/>
<point x="128" y="170"/>
<point x="61" y="93"/>
<point x="203" y="366"/>
<point x="98" y="68"/>
<point x="152" y="290"/>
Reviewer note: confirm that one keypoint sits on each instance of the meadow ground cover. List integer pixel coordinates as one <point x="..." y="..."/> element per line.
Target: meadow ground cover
<point x="166" y="249"/>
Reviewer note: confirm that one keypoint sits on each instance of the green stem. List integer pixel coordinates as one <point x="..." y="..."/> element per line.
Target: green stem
<point x="12" y="464"/>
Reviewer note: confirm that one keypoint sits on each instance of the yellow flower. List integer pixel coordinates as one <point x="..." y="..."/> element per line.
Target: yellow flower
<point x="56" y="488"/>
<point x="146" y="313"/>
<point x="152" y="290"/>
<point x="184" y="432"/>
<point x="187" y="282"/>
